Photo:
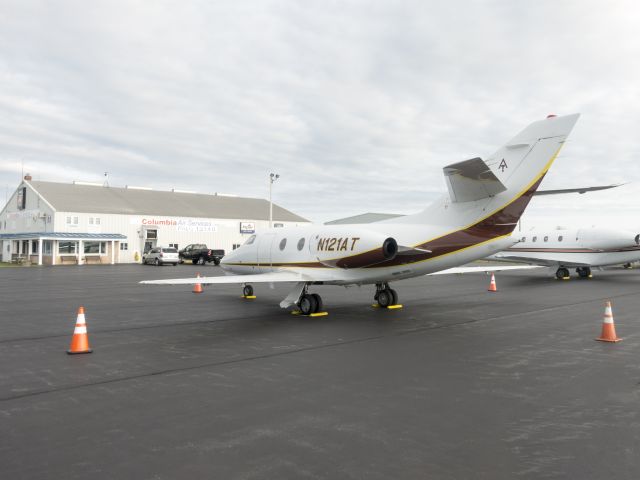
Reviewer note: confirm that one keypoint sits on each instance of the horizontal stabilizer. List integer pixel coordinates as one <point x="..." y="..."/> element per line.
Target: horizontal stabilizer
<point x="471" y="180"/>
<point x="576" y="190"/>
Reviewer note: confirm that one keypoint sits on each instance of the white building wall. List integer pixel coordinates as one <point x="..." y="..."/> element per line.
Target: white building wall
<point x="37" y="215"/>
<point x="215" y="233"/>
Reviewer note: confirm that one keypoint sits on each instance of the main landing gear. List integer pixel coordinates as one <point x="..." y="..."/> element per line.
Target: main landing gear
<point x="309" y="303"/>
<point x="563" y="273"/>
<point x="584" y="272"/>
<point x="385" y="296"/>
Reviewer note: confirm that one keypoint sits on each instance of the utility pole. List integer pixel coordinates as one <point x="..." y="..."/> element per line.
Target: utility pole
<point x="272" y="178"/>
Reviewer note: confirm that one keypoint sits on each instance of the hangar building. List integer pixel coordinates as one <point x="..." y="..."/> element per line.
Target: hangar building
<point x="50" y="223"/>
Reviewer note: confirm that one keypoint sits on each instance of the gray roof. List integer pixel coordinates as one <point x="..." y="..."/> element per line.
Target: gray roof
<point x="69" y="197"/>
<point x="364" y="218"/>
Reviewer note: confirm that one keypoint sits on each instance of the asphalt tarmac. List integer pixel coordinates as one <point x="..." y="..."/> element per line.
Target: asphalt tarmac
<point x="460" y="383"/>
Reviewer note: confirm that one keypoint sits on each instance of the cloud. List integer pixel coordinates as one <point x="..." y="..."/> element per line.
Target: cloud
<point x="357" y="105"/>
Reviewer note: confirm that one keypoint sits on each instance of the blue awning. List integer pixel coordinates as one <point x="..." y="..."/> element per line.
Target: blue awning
<point x="62" y="235"/>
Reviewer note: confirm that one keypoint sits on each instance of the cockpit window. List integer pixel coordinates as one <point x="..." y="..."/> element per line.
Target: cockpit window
<point x="251" y="239"/>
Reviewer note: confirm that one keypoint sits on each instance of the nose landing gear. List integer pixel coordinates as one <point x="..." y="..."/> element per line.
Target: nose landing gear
<point x="385" y="296"/>
<point x="247" y="292"/>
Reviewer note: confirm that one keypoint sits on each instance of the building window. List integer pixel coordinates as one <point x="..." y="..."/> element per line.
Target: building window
<point x="124" y="246"/>
<point x="68" y="220"/>
<point x="97" y="220"/>
<point x="95" y="248"/>
<point x="75" y="220"/>
<point x="34" y="247"/>
<point x="67" y="248"/>
<point x="173" y="245"/>
<point x="47" y="247"/>
<point x="283" y="243"/>
<point x="90" y="220"/>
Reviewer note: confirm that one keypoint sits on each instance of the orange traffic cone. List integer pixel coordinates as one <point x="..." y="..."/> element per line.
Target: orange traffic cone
<point x="197" y="288"/>
<point x="608" y="328"/>
<point x="492" y="285"/>
<point x="80" y="340"/>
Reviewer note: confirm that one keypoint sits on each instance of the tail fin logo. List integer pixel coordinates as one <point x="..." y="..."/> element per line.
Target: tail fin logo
<point x="502" y="165"/>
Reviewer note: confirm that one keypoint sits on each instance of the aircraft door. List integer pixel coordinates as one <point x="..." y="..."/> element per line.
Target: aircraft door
<point x="265" y="242"/>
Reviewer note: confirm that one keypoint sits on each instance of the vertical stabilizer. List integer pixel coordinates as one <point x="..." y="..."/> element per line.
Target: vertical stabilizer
<point x="497" y="197"/>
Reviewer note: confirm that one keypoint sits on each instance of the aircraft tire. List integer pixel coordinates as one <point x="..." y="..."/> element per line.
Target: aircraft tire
<point x="385" y="298"/>
<point x="394" y="296"/>
<point x="561" y="273"/>
<point x="307" y="304"/>
<point x="583" y="272"/>
<point x="319" y="304"/>
<point x="247" y="291"/>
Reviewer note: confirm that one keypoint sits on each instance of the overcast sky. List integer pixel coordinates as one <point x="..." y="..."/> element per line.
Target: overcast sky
<point x="356" y="104"/>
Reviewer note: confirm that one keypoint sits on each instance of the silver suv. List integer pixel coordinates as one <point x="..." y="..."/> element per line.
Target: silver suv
<point x="161" y="255"/>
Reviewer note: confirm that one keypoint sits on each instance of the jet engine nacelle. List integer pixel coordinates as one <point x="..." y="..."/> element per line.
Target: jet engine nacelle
<point x="352" y="249"/>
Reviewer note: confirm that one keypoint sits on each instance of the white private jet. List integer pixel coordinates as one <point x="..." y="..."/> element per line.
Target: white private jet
<point x="574" y="248"/>
<point x="486" y="198"/>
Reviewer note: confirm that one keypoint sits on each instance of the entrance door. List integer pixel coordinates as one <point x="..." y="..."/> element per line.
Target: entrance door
<point x="148" y="245"/>
<point x="265" y="242"/>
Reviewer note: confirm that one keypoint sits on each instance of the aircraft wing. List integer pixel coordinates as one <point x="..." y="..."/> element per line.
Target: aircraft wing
<point x="542" y="262"/>
<point x="484" y="269"/>
<point x="272" y="277"/>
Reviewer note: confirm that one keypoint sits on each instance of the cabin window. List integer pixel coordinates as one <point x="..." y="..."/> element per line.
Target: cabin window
<point x="534" y="239"/>
<point x="560" y="238"/>
<point x="283" y="243"/>
<point x="252" y="239"/>
<point x="301" y="244"/>
<point x="546" y="239"/>
<point x="524" y="239"/>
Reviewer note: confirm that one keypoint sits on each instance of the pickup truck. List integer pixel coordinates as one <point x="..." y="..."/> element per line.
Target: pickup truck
<point x="199" y="254"/>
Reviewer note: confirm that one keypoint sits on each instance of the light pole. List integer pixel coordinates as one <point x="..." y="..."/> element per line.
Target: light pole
<point x="272" y="178"/>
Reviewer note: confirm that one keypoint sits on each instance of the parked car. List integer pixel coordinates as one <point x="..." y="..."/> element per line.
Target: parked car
<point x="199" y="254"/>
<point x="161" y="255"/>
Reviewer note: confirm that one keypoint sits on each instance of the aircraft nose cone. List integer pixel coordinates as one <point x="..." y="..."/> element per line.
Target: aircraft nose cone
<point x="224" y="261"/>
